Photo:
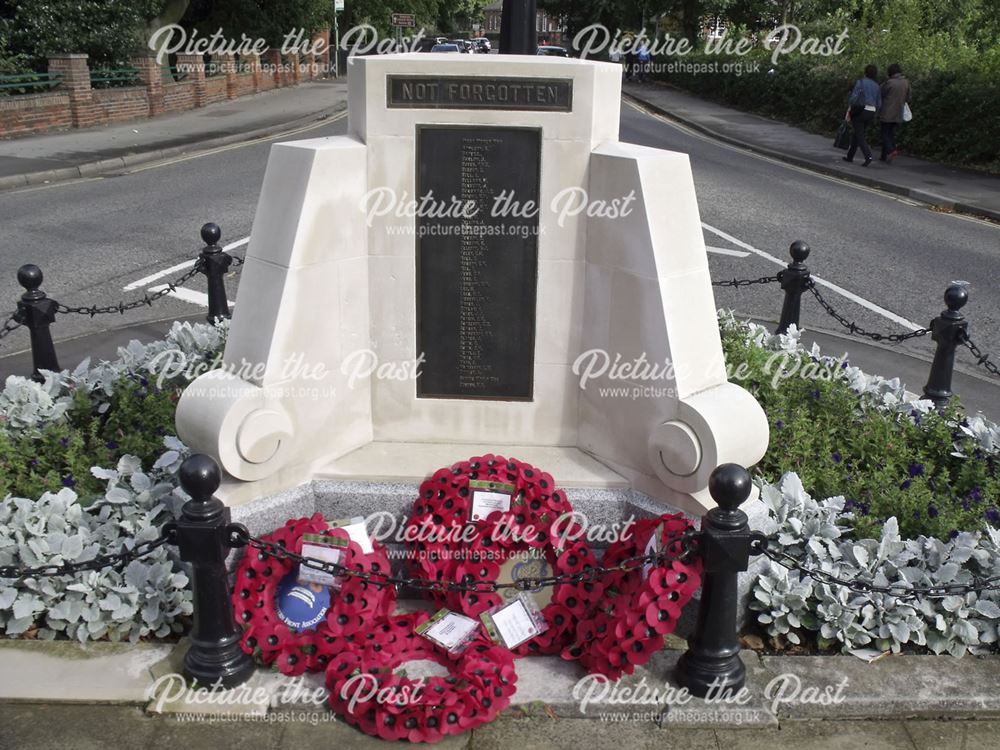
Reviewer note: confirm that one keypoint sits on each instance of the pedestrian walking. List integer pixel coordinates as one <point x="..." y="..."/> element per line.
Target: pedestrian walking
<point x="644" y="60"/>
<point x="616" y="58"/>
<point x="895" y="99"/>
<point x="630" y="58"/>
<point x="866" y="98"/>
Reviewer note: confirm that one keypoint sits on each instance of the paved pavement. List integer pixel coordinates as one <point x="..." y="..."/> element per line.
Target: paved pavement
<point x="80" y="153"/>
<point x="96" y="727"/>
<point x="930" y="182"/>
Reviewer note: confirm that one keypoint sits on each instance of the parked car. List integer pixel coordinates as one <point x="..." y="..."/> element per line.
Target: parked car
<point x="445" y="48"/>
<point x="464" y="45"/>
<point x="552" y="51"/>
<point x="428" y="43"/>
<point x="483" y="45"/>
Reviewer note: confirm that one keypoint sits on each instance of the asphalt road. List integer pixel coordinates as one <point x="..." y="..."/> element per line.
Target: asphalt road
<point x="93" y="237"/>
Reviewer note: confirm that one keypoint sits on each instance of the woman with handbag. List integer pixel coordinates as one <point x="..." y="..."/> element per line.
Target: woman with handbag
<point x="866" y="98"/>
<point x="895" y="106"/>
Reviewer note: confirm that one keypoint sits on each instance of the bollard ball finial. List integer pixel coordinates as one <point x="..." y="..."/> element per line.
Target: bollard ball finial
<point x="799" y="251"/>
<point x="955" y="297"/>
<point x="200" y="476"/>
<point x="29" y="276"/>
<point x="211" y="234"/>
<point x="729" y="486"/>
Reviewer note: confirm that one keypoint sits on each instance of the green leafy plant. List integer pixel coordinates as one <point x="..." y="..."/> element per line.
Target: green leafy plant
<point x="846" y="433"/>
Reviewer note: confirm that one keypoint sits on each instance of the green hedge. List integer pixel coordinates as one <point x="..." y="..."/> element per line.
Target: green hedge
<point x="956" y="109"/>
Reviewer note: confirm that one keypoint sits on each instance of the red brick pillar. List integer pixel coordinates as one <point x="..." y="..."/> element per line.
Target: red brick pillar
<point x="324" y="58"/>
<point x="273" y="58"/>
<point x="151" y="76"/>
<point x="194" y="67"/>
<point x="252" y="62"/>
<point x="75" y="81"/>
<point x="227" y="64"/>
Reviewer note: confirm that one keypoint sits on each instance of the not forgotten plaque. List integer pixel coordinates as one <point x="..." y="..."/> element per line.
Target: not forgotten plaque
<point x="476" y="276"/>
<point x="471" y="92"/>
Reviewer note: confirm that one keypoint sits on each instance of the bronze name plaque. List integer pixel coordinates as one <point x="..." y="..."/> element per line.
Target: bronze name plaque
<point x="477" y="267"/>
<point x="470" y="92"/>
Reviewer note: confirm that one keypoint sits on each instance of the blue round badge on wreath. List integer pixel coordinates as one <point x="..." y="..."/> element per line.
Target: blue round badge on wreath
<point x="299" y="606"/>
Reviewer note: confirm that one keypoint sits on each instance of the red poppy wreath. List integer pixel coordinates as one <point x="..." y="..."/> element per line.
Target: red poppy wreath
<point x="367" y="691"/>
<point x="641" y="605"/>
<point x="452" y="538"/>
<point x="324" y="621"/>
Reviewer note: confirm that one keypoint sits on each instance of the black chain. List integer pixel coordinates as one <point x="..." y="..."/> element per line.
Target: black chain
<point x="122" y="307"/>
<point x="854" y="328"/>
<point x="237" y="261"/>
<point x="983" y="360"/>
<point x="116" y="560"/>
<point x="11" y="324"/>
<point x="897" y="590"/>
<point x="686" y="541"/>
<point x="747" y="282"/>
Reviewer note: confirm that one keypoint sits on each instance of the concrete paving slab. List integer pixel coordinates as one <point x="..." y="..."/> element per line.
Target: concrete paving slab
<point x="964" y="735"/>
<point x="299" y="735"/>
<point x="820" y="735"/>
<point x="545" y="733"/>
<point x="892" y="687"/>
<point x="55" y="727"/>
<point x="67" y="671"/>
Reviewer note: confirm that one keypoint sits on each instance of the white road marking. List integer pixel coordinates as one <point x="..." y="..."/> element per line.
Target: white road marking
<point x="829" y="285"/>
<point x="726" y="251"/>
<point x="187" y="295"/>
<point x="147" y="280"/>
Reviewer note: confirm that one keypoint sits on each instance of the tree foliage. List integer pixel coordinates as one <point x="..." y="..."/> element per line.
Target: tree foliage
<point x="109" y="31"/>
<point x="259" y="19"/>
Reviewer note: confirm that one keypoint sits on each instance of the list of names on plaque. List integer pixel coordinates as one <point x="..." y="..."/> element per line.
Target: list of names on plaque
<point x="477" y="271"/>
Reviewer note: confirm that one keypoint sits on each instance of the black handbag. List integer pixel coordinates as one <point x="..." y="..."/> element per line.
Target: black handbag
<point x="843" y="139"/>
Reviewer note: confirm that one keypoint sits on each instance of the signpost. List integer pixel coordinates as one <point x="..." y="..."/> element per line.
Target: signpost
<point x="404" y="20"/>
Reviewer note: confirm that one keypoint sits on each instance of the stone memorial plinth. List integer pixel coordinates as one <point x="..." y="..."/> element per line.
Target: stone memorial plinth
<point x="479" y="265"/>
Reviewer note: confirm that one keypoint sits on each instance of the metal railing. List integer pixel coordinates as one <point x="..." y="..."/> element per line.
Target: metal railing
<point x="29" y="83"/>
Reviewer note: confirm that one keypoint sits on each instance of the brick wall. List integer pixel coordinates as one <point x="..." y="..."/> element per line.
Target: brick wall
<point x="179" y="96"/>
<point x="32" y="113"/>
<point x="120" y="104"/>
<point x="244" y="84"/>
<point x="215" y="89"/>
<point x="76" y="104"/>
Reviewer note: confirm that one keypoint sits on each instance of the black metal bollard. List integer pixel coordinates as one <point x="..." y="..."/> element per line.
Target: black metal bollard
<point x="215" y="263"/>
<point x="794" y="279"/>
<point x="518" y="34"/>
<point x="37" y="312"/>
<point x="712" y="662"/>
<point x="202" y="536"/>
<point x="949" y="329"/>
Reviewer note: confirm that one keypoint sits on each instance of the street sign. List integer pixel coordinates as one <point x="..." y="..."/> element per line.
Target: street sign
<point x="338" y="5"/>
<point x="404" y="19"/>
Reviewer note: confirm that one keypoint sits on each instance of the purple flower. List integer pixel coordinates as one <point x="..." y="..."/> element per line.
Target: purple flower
<point x="64" y="442"/>
<point x="932" y="511"/>
<point x="68" y="481"/>
<point x="112" y="445"/>
<point x="965" y="505"/>
<point x="953" y="533"/>
<point x="905" y="485"/>
<point x="916" y="470"/>
<point x="815" y="394"/>
<point x="993" y="516"/>
<point x="836" y="457"/>
<point x="779" y="424"/>
<point x="976" y="495"/>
